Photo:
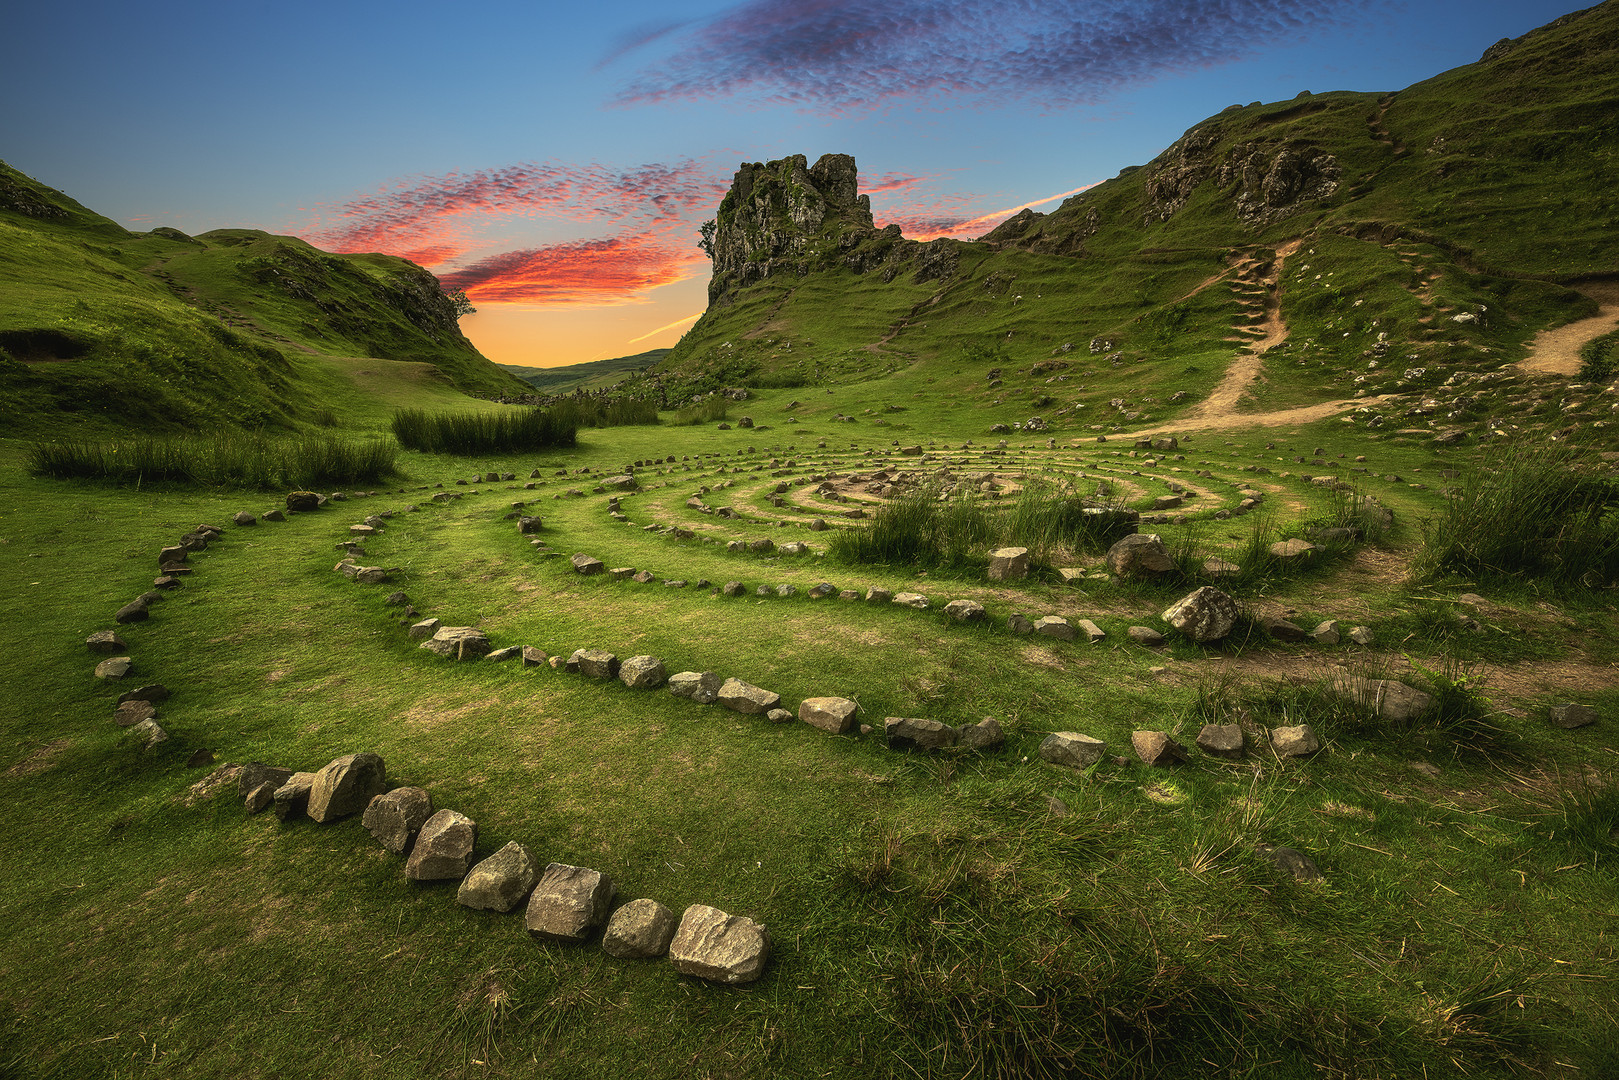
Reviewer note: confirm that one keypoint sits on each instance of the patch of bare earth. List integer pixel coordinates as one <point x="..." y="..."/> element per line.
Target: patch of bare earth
<point x="1557" y="352"/>
<point x="39" y="759"/>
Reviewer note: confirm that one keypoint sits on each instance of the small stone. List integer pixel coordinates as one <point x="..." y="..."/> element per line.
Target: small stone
<point x="1326" y="633"/>
<point x="1019" y="625"/>
<point x="150" y="732"/>
<point x="1222" y="740"/>
<point x="1055" y="626"/>
<point x="703" y="687"/>
<point x="510" y="652"/>
<point x="1139" y="554"/>
<point x="911" y="600"/>
<point x="597" y="663"/>
<point x="734" y="588"/>
<point x="393" y="818"/>
<point x="833" y="715"/>
<point x="1204" y="615"/>
<point x="459" y="643"/>
<point x="879" y="596"/>
<point x="114" y="668"/>
<point x="1092" y="632"/>
<point x="424" y="629"/>
<point x="1296" y="741"/>
<point x="1219" y="568"/>
<point x="1293" y="863"/>
<point x="786" y="590"/>
<point x="642" y="673"/>
<point x="1056" y="807"/>
<point x="275" y="515"/>
<point x="1072" y="749"/>
<point x="1145" y="635"/>
<point x="1156" y="748"/>
<point x="984" y="735"/>
<point x="105" y="641"/>
<point x="302" y="501"/>
<point x="640" y="930"/>
<point x="712" y="945"/>
<point x="1291" y="550"/>
<point x="1009" y="564"/>
<point x="260" y="798"/>
<point x="500" y="882"/>
<point x="965" y="610"/>
<point x="130" y="713"/>
<point x="1393" y="701"/>
<point x="244" y="518"/>
<point x="913" y="733"/>
<point x="292" y="798"/>
<point x="746" y="698"/>
<point x="1569" y="716"/>
<point x="346" y="785"/>
<point x="1361" y="635"/>
<point x="134" y="611"/>
<point x="443" y="849"/>
<point x="587" y="565"/>
<point x="569" y="902"/>
<point x="1283" y="630"/>
<point x="256" y="773"/>
<point x="779" y="715"/>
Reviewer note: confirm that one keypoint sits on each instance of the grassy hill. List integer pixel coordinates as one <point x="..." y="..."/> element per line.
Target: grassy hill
<point x="1485" y="191"/>
<point x="593" y="375"/>
<point x="162" y="330"/>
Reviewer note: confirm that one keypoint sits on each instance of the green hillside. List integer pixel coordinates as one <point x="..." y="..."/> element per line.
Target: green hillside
<point x="1485" y="193"/>
<point x="162" y="330"/>
<point x="593" y="375"/>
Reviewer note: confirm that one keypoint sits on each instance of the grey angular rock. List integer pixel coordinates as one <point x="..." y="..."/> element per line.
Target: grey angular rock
<point x="393" y="818"/>
<point x="1361" y="635"/>
<point x="1054" y="626"/>
<point x="1019" y="625"/>
<point x="1138" y="555"/>
<point x="642" y="673"/>
<point x="153" y="692"/>
<point x="965" y="610"/>
<point x="459" y="643"/>
<point x="834" y="715"/>
<point x="1569" y="716"/>
<point x="500" y="882"/>
<point x="424" y="629"/>
<point x="879" y="596"/>
<point x="712" y="945"/>
<point x="533" y="657"/>
<point x="105" y="641"/>
<point x="1222" y="740"/>
<point x="275" y="515"/>
<point x="1092" y="632"/>
<point x="1298" y="740"/>
<point x="746" y="698"/>
<point x="150" y="732"/>
<point x="984" y="735"/>
<point x="597" y="663"/>
<point x="260" y="798"/>
<point x="346" y="785"/>
<point x="1072" y="749"/>
<point x="1008" y="564"/>
<point x="786" y="590"/>
<point x="640" y="930"/>
<point x="255" y="773"/>
<point x="587" y="565"/>
<point x="1204" y="615"/>
<point x="1283" y="630"/>
<point x="911" y="600"/>
<point x="569" y="902"/>
<point x="823" y="590"/>
<point x="132" y="612"/>
<point x="443" y="848"/>
<point x="734" y="588"/>
<point x="1145" y="635"/>
<point x="703" y="687"/>
<point x="292" y="798"/>
<point x="114" y="668"/>
<point x="130" y="713"/>
<point x="510" y="652"/>
<point x="915" y="733"/>
<point x="1157" y="748"/>
<point x="302" y="501"/>
<point x="244" y="518"/>
<point x="1326" y="633"/>
<point x="779" y="715"/>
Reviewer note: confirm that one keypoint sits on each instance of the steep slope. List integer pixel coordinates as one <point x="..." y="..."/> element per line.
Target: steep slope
<point x="1436" y="229"/>
<point x="167" y="330"/>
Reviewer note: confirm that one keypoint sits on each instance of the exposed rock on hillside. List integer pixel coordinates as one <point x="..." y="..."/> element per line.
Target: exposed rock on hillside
<point x="788" y="217"/>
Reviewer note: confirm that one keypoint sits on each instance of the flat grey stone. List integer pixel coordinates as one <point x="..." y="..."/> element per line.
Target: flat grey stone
<point x="114" y="668"/>
<point x="1570" y="716"/>
<point x="746" y="698"/>
<point x="915" y="733"/>
<point x="1145" y="635"/>
<point x="984" y="735"/>
<point x="1222" y="740"/>
<point x="292" y="798"/>
<point x="1293" y="863"/>
<point x="459" y="643"/>
<point x="597" y="663"/>
<point x="965" y="610"/>
<point x="703" y="687"/>
<point x="911" y="600"/>
<point x="1072" y="749"/>
<point x="1157" y="748"/>
<point x="1054" y="626"/>
<point x="105" y="641"/>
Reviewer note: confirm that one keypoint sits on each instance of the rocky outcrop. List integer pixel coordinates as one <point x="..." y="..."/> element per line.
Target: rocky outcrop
<point x="1266" y="181"/>
<point x="790" y="217"/>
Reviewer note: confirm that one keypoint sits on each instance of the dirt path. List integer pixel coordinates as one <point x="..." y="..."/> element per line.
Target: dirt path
<point x="1557" y="352"/>
<point x="1245" y="369"/>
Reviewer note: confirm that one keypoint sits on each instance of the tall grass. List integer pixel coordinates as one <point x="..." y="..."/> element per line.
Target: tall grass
<point x="920" y="529"/>
<point x="1052" y="521"/>
<point x="228" y="459"/>
<point x="1528" y="513"/>
<point x="483" y="433"/>
<point x="707" y="411"/>
<point x="604" y="412"/>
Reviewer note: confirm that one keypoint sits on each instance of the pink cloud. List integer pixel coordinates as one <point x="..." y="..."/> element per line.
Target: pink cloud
<point x="610" y="270"/>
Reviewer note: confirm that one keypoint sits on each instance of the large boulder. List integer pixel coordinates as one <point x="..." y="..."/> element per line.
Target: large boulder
<point x="1072" y="749"/>
<point x="746" y="698"/>
<point x="459" y="643"/>
<point x="834" y="715"/>
<point x="500" y="882"/>
<point x="346" y="786"/>
<point x="569" y="902"/>
<point x="443" y="850"/>
<point x="1139" y="555"/>
<point x="641" y="929"/>
<point x="1205" y="615"/>
<point x="395" y="817"/>
<point x="721" y="948"/>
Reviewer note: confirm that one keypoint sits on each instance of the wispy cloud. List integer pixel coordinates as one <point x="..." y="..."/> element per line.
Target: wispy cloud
<point x="853" y="54"/>
<point x="431" y="219"/>
<point x="614" y="270"/>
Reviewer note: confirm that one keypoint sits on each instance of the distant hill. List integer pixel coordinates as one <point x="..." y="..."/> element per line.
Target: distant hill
<point x="1426" y="230"/>
<point x="591" y="375"/>
<point x="164" y="330"/>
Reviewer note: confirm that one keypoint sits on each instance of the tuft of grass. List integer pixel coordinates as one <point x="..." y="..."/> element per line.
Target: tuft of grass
<point x="920" y="529"/>
<point x="1599" y="358"/>
<point x="227" y="459"/>
<point x="1530" y="512"/>
<point x="711" y="409"/>
<point x="1051" y="520"/>
<point x="483" y="433"/>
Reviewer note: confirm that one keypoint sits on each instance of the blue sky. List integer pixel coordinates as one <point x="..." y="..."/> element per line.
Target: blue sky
<point x="556" y="159"/>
